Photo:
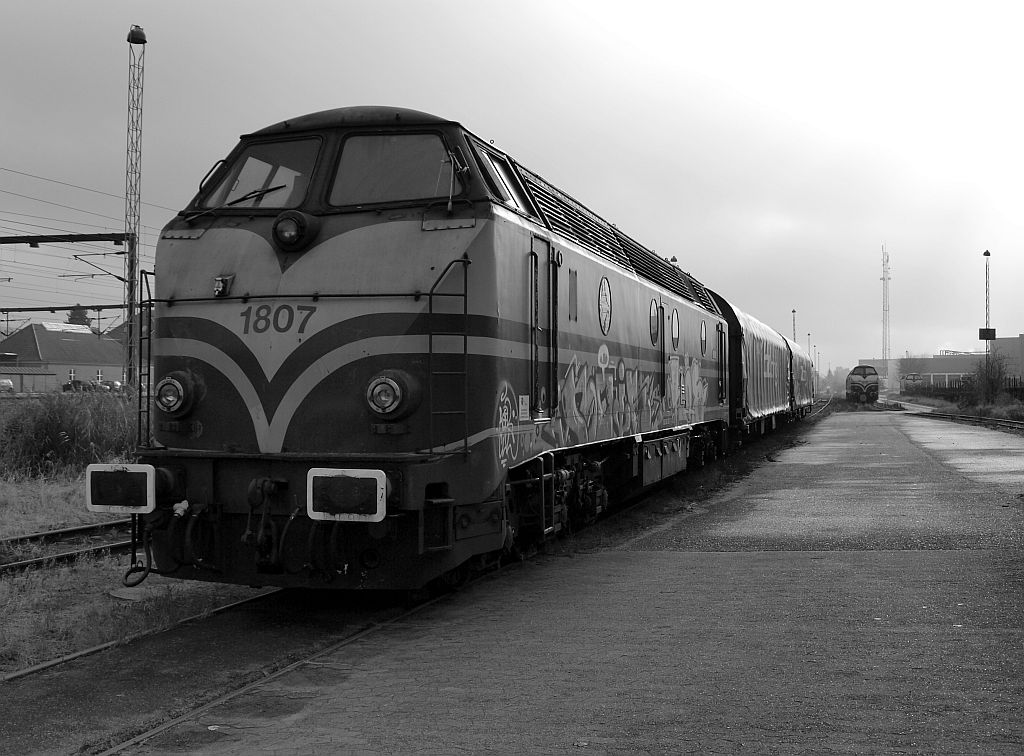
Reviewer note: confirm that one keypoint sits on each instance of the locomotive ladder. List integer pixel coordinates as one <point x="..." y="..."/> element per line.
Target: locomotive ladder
<point x="452" y="382"/>
<point x="550" y="522"/>
<point x="542" y="509"/>
<point x="145" y="353"/>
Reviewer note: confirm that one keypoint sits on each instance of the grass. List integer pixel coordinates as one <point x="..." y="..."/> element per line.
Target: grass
<point x="51" y="613"/>
<point x="1004" y="407"/>
<point x="33" y="505"/>
<point x="45" y="444"/>
<point x="59" y="434"/>
<point x="939" y="405"/>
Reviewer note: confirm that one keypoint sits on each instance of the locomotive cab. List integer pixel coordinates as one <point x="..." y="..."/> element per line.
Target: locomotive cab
<point x="310" y="365"/>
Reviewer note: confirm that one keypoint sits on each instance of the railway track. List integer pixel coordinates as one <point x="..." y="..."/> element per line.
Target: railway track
<point x="63" y="545"/>
<point x="823" y="407"/>
<point x="308" y="659"/>
<point x="987" y="422"/>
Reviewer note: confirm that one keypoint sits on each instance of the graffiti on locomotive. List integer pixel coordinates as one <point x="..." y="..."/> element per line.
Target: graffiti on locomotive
<point x="600" y="400"/>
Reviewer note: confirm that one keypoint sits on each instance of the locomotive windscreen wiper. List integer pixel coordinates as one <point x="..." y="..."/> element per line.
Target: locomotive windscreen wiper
<point x="254" y="194"/>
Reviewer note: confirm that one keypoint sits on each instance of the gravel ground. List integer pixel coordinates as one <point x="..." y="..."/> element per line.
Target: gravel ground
<point x="810" y="498"/>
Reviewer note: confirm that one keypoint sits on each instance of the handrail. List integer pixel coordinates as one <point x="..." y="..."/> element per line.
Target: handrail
<point x="465" y="262"/>
<point x="315" y="296"/>
<point x="145" y="352"/>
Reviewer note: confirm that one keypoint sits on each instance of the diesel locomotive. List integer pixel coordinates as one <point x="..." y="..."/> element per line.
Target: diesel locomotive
<point x="862" y="384"/>
<point x="379" y="352"/>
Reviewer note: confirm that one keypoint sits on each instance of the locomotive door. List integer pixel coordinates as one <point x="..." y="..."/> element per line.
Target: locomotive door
<point x="659" y="325"/>
<point x="723" y="364"/>
<point x="544" y="262"/>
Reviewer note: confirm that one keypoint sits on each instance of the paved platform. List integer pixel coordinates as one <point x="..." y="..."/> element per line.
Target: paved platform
<point x="863" y="593"/>
<point x="664" y="652"/>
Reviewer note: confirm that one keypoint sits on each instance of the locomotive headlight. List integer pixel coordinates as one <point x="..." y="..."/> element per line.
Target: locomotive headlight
<point x="170" y="395"/>
<point x="384" y="395"/>
<point x="288" y="231"/>
<point x="295" y="230"/>
<point x="392" y="394"/>
<point x="175" y="393"/>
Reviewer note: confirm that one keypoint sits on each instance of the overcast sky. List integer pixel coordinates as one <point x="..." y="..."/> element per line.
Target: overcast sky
<point x="772" y="147"/>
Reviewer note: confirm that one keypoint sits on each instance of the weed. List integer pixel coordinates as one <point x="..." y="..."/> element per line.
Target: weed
<point x="59" y="434"/>
<point x="50" y="613"/>
<point x="37" y="504"/>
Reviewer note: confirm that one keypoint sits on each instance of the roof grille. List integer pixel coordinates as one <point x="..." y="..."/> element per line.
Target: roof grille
<point x="567" y="216"/>
<point x="648" y="265"/>
<point x="703" y="297"/>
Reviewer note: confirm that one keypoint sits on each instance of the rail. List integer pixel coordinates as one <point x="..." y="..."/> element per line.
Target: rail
<point x="988" y="422"/>
<point x="55" y="544"/>
<point x="823" y="407"/>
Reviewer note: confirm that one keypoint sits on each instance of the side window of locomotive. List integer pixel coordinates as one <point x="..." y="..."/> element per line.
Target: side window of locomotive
<point x="574" y="295"/>
<point x="513" y="191"/>
<point x="267" y="174"/>
<point x="393" y="168"/>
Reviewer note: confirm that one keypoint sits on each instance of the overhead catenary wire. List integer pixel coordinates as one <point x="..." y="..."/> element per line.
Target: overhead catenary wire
<point x="46" y="276"/>
<point x="57" y="204"/>
<point x="83" y="188"/>
<point x="155" y="229"/>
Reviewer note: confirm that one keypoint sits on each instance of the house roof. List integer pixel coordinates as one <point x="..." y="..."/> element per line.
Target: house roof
<point x="62" y="343"/>
<point x="19" y="370"/>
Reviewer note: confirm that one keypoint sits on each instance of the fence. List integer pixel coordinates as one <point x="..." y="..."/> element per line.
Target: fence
<point x="958" y="391"/>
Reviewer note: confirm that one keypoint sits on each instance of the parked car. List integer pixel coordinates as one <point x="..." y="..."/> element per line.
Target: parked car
<point x="77" y="385"/>
<point x="109" y="385"/>
<point x="6" y="386"/>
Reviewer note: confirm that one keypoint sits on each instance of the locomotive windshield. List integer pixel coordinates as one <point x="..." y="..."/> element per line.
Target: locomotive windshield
<point x="393" y="168"/>
<point x="266" y="175"/>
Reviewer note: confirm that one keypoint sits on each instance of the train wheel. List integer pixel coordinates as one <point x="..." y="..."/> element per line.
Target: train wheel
<point x="457" y="577"/>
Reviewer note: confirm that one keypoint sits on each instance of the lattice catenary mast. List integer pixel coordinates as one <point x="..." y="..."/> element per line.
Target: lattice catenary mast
<point x="886" y="343"/>
<point x="132" y="187"/>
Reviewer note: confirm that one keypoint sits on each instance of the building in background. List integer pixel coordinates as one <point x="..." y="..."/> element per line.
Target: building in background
<point x="948" y="369"/>
<point x="45" y="356"/>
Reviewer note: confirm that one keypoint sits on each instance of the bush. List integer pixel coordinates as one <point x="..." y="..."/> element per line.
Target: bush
<point x="1005" y="407"/>
<point x="59" y="434"/>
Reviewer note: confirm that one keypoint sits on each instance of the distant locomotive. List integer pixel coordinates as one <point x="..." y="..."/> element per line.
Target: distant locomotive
<point x="383" y="352"/>
<point x="862" y="384"/>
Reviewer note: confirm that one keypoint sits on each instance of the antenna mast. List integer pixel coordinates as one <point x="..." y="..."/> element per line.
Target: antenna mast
<point x="886" y="344"/>
<point x="133" y="181"/>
